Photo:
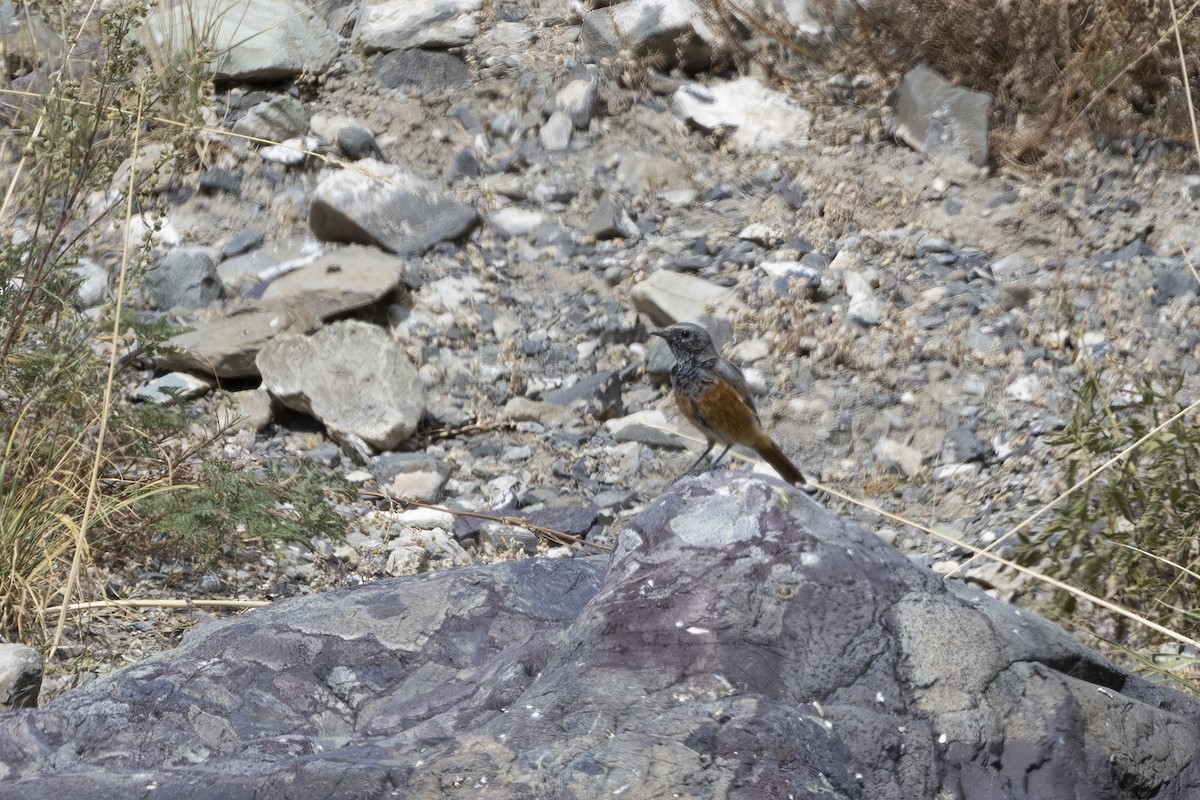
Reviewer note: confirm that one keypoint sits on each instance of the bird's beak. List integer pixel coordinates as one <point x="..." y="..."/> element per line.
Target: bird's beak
<point x="659" y="334"/>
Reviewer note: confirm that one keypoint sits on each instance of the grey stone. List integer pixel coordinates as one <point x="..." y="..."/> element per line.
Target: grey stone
<point x="241" y="243"/>
<point x="522" y="409"/>
<point x="249" y="273"/>
<point x="254" y="41"/>
<point x="1190" y="191"/>
<point x="940" y="120"/>
<point x="653" y="436"/>
<point x="186" y="277"/>
<point x="667" y="297"/>
<point x="577" y="97"/>
<point x="505" y="537"/>
<point x="226" y="347"/>
<point x="357" y="143"/>
<point x="898" y="454"/>
<point x="962" y="445"/>
<point x="27" y="40"/>
<point x="351" y="376"/>
<point x="510" y="222"/>
<point x="248" y="410"/>
<point x="639" y="173"/>
<point x="327" y="454"/>
<point x="376" y="203"/>
<point x="281" y="118"/>
<point x="463" y="164"/>
<point x="416" y="475"/>
<point x="673" y="31"/>
<point x="219" y="179"/>
<point x="20" y="676"/>
<point x="757" y="118"/>
<point x="414" y="551"/>
<point x="155" y="166"/>
<point x="741" y="642"/>
<point x="600" y="395"/>
<point x="433" y="72"/>
<point x="1175" y="239"/>
<point x="1135" y="249"/>
<point x="1172" y="284"/>
<point x="1009" y="266"/>
<point x="574" y="518"/>
<point x="865" y="307"/>
<point x="648" y="426"/>
<point x="342" y="280"/>
<point x="291" y="152"/>
<point x="609" y="220"/>
<point x="557" y="131"/>
<point x="404" y="24"/>
<point x="173" y="388"/>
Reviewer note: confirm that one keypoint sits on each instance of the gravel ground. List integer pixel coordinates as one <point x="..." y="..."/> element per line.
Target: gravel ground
<point x="920" y="354"/>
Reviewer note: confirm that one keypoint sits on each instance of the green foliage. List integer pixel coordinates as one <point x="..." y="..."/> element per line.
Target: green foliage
<point x="1132" y="533"/>
<point x="274" y="506"/>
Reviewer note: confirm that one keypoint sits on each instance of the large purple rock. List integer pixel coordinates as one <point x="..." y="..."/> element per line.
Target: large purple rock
<point x="741" y="643"/>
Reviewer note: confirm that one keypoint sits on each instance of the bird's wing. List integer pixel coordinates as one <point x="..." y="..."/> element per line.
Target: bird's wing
<point x="732" y="373"/>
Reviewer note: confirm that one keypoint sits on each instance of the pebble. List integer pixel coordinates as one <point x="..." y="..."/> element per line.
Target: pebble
<point x="424" y="519"/>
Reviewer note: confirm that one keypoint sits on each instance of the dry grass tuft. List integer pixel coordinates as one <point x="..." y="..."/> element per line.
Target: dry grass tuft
<point x="1056" y="68"/>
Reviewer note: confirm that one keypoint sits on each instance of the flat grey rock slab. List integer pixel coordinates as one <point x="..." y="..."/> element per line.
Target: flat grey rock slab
<point x="342" y="280"/>
<point x="227" y="346"/>
<point x="254" y="41"/>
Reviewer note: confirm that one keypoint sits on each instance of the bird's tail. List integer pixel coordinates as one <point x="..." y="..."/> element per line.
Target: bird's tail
<point x="775" y="457"/>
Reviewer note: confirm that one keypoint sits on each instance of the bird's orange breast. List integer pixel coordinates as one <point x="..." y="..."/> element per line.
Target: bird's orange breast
<point x="720" y="411"/>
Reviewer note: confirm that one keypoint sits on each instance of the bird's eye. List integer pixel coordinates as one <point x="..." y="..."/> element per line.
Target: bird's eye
<point x="685" y="334"/>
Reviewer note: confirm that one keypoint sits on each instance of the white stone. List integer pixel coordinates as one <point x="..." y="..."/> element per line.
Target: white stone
<point x="1027" y="388"/>
<point x="865" y="307"/>
<point x="404" y="24"/>
<point x="668" y="297"/>
<point x="425" y="519"/>
<point x="556" y="133"/>
<point x="510" y="222"/>
<point x="173" y="387"/>
<point x="290" y="151"/>
<point x="761" y="119"/>
<point x="650" y="417"/>
<point x="890" y="451"/>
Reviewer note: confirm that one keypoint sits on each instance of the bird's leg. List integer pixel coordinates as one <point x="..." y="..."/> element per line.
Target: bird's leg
<point x="717" y="460"/>
<point x="691" y="470"/>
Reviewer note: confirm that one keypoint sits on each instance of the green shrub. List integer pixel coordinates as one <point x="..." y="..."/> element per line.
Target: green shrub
<point x="1131" y="535"/>
<point x="228" y="506"/>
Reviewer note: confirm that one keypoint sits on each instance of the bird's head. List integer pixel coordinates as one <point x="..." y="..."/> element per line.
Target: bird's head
<point x="687" y="339"/>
